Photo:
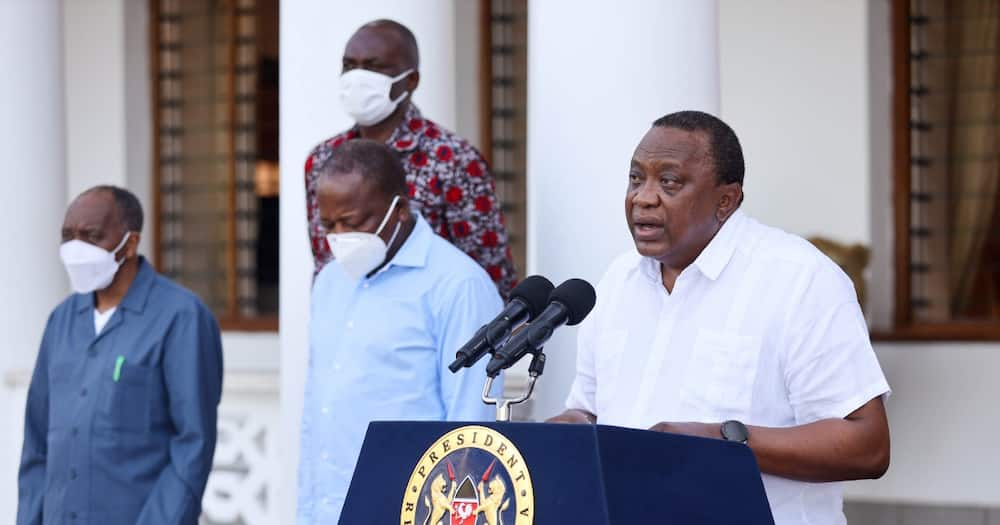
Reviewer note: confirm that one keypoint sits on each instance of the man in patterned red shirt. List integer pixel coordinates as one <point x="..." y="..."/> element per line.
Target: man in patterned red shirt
<point x="448" y="180"/>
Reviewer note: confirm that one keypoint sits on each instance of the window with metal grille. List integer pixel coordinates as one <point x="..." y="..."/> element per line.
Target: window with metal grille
<point x="504" y="120"/>
<point x="947" y="168"/>
<point x="216" y="189"/>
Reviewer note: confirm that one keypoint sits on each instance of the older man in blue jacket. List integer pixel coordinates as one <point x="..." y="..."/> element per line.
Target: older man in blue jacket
<point x="120" y="425"/>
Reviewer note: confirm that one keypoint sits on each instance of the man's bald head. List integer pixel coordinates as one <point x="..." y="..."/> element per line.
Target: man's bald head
<point x="397" y="37"/>
<point x="102" y="216"/>
<point x="128" y="210"/>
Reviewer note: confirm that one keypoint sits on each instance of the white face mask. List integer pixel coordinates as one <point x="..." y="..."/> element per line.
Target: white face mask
<point x="358" y="253"/>
<point x="365" y="95"/>
<point x="90" y="267"/>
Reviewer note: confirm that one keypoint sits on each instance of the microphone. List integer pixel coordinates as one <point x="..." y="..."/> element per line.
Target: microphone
<point x="568" y="304"/>
<point x="526" y="300"/>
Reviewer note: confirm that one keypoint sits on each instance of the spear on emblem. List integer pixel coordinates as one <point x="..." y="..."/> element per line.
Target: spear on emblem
<point x="451" y="476"/>
<point x="486" y="475"/>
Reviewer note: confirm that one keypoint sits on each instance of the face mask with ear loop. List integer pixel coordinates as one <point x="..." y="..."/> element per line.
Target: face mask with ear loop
<point x="365" y="95"/>
<point x="90" y="267"/>
<point x="358" y="253"/>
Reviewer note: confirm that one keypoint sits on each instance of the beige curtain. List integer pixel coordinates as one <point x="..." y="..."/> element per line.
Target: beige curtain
<point x="207" y="150"/>
<point x="974" y="173"/>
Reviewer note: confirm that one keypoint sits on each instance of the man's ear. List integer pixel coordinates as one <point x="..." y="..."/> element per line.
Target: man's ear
<point x="729" y="200"/>
<point x="132" y="245"/>
<point x="405" y="214"/>
<point x="413" y="81"/>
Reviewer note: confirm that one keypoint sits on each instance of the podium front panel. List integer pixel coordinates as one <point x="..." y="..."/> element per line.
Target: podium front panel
<point x="433" y="473"/>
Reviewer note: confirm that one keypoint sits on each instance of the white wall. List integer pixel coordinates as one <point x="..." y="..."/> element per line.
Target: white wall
<point x="467" y="35"/>
<point x="881" y="287"/>
<point x="795" y="89"/>
<point x="138" y="105"/>
<point x="313" y="35"/>
<point x="108" y="99"/>
<point x="94" y="47"/>
<point x="597" y="78"/>
<point x="943" y="417"/>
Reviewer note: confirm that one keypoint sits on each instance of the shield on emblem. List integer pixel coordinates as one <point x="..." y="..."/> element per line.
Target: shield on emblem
<point x="465" y="504"/>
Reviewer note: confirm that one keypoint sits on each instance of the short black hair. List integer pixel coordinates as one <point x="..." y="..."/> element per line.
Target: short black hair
<point x="129" y="208"/>
<point x="377" y="163"/>
<point x="405" y="35"/>
<point x="724" y="147"/>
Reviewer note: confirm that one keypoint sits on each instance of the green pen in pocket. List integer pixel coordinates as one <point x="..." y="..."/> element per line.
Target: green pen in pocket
<point x="118" y="367"/>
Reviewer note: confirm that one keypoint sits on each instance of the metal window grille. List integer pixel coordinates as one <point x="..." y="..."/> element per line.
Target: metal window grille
<point x="954" y="161"/>
<point x="205" y="73"/>
<point x="505" y="135"/>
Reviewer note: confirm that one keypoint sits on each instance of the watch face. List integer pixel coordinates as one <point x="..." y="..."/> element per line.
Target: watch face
<point x="734" y="431"/>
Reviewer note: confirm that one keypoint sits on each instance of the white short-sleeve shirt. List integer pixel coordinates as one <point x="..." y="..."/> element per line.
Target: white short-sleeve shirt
<point x="761" y="328"/>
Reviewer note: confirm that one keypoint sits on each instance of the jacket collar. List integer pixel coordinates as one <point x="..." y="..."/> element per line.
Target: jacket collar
<point x="136" y="296"/>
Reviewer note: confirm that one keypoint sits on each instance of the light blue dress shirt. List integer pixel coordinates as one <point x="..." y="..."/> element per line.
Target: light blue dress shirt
<point x="379" y="349"/>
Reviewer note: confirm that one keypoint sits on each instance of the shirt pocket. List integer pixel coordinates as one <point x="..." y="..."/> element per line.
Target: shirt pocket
<point x="608" y="367"/>
<point x="720" y="377"/>
<point x="125" y="405"/>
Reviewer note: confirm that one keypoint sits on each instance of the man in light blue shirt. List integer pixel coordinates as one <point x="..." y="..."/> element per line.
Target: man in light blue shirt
<point x="386" y="321"/>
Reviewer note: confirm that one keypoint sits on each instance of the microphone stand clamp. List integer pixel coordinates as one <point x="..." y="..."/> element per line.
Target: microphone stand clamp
<point x="504" y="404"/>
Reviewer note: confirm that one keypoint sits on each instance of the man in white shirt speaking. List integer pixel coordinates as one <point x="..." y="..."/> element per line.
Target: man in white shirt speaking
<point x="719" y="326"/>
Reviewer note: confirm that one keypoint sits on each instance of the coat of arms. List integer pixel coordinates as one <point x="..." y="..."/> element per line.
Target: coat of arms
<point x="481" y="493"/>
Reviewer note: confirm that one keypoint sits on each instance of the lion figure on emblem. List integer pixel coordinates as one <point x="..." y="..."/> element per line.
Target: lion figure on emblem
<point x="493" y="504"/>
<point x="439" y="503"/>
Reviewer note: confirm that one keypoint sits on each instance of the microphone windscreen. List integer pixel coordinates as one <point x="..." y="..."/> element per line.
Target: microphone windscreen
<point x="578" y="296"/>
<point x="533" y="291"/>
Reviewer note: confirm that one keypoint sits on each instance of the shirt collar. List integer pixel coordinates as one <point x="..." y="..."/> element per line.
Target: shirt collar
<point x="413" y="252"/>
<point x="406" y="136"/>
<point x="135" y="297"/>
<point x="713" y="258"/>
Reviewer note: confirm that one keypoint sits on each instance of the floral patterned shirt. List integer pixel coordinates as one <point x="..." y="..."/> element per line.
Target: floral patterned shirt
<point x="450" y="185"/>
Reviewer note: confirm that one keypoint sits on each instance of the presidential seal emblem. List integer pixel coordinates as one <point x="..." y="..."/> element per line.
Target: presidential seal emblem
<point x="470" y="476"/>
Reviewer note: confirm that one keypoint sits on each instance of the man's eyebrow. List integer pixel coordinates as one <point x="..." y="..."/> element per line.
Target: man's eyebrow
<point x="343" y="217"/>
<point x="660" y="161"/>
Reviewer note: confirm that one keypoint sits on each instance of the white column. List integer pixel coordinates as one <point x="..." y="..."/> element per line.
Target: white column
<point x="313" y="35"/>
<point x="109" y="119"/>
<point x="598" y="75"/>
<point x="94" y="50"/>
<point x="31" y="207"/>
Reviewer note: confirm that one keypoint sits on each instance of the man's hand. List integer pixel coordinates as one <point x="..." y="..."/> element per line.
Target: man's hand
<point x="707" y="430"/>
<point x="580" y="417"/>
